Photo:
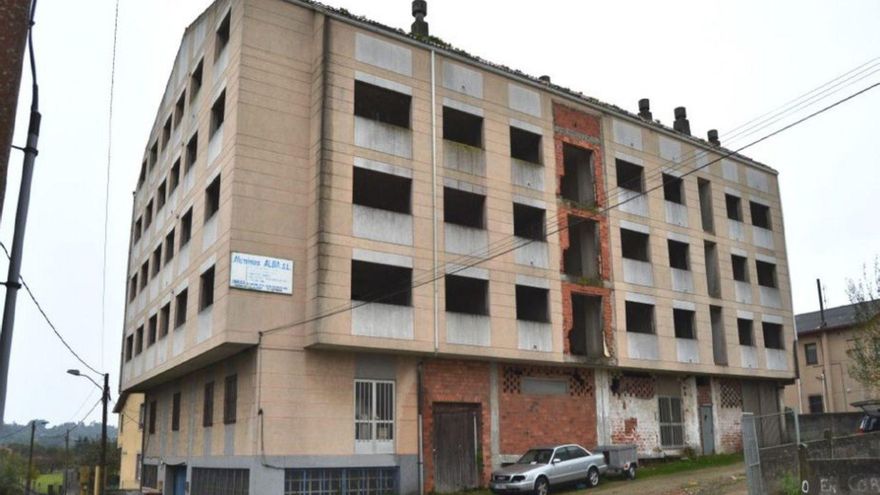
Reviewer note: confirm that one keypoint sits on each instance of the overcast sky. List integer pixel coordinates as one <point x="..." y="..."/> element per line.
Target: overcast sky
<point x="727" y="62"/>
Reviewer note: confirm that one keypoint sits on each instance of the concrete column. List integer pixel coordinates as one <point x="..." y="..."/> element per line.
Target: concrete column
<point x="494" y="417"/>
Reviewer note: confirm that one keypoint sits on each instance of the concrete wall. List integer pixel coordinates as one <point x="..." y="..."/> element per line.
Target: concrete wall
<point x="129" y="442"/>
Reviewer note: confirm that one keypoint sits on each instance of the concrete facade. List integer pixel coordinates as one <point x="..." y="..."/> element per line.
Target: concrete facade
<point x="129" y="440"/>
<point x="294" y="131"/>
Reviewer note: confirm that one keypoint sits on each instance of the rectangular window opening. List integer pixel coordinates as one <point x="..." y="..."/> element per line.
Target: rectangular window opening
<point x="532" y="304"/>
<point x="630" y="176"/>
<point x="161" y="195"/>
<point x="186" y="228"/>
<point x="760" y="215"/>
<point x="212" y="198"/>
<point x="634" y="245"/>
<point x="740" y="268"/>
<point x="192" y="153"/>
<point x="679" y="254"/>
<point x="683" y="321"/>
<point x="528" y="222"/>
<point x="152" y="428"/>
<point x="206" y="289"/>
<point x="706" y="216"/>
<point x="639" y="317"/>
<point x="744" y="329"/>
<point x="464" y="208"/>
<point x="673" y="189"/>
<point x="525" y="145"/>
<point x="154" y="155"/>
<point x="164" y="320"/>
<point x="174" y="176"/>
<point x="772" y="335"/>
<point x="179" y="109"/>
<point x="169" y="247"/>
<point x="180" y="302"/>
<point x="811" y="354"/>
<point x="156" y="261"/>
<point x="467" y="295"/>
<point x="175" y="412"/>
<point x="380" y="190"/>
<point x="218" y="113"/>
<point x="208" y="405"/>
<point x="148" y="215"/>
<point x="145" y="274"/>
<point x="462" y="127"/>
<point x="734" y="207"/>
<point x="166" y="133"/>
<point x="577" y="183"/>
<point x="133" y="287"/>
<point x="671" y="425"/>
<point x="586" y="337"/>
<point x="766" y="274"/>
<point x="139" y="340"/>
<point x="137" y="229"/>
<point x="380" y="104"/>
<point x="713" y="279"/>
<point x="719" y="340"/>
<point x="152" y="330"/>
<point x="129" y="347"/>
<point x="195" y="81"/>
<point x="222" y="34"/>
<point x="230" y="399"/>
<point x="816" y="404"/>
<point x="581" y="258"/>
<point x="386" y="284"/>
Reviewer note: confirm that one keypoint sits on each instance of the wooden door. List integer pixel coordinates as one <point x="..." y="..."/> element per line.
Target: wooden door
<point x="456" y="433"/>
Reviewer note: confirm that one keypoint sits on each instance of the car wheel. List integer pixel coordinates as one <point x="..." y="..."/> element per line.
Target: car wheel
<point x="592" y="477"/>
<point x="542" y="487"/>
<point x="631" y="472"/>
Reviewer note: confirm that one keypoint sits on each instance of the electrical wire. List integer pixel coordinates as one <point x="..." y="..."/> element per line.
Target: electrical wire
<point x="48" y="321"/>
<point x="77" y="424"/>
<point x="525" y="242"/>
<point x="16" y="432"/>
<point x="107" y="181"/>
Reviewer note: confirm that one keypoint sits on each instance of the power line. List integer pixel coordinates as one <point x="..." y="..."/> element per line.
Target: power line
<point x="77" y="424"/>
<point x="46" y="317"/>
<point x="16" y="432"/>
<point x="566" y="226"/>
<point x="107" y="181"/>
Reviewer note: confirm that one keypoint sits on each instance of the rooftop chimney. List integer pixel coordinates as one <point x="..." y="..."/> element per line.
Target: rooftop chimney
<point x="645" y="109"/>
<point x="681" y="123"/>
<point x="713" y="137"/>
<point x="419" y="11"/>
<point x="544" y="79"/>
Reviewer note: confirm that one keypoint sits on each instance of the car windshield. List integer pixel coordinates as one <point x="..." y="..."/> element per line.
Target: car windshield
<point x="536" y="456"/>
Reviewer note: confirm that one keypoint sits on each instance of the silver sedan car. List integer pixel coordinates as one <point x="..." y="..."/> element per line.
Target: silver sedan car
<point x="540" y="468"/>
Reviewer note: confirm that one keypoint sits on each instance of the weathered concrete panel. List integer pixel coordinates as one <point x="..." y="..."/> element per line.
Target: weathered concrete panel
<point x="627" y="134"/>
<point x="464" y="158"/>
<point x="463" y="80"/>
<point x="632" y="202"/>
<point x="205" y="324"/>
<point x="749" y="356"/>
<point x="682" y="280"/>
<point x="532" y="254"/>
<point x="382" y="137"/>
<point x="381" y="258"/>
<point x="638" y="272"/>
<point x="762" y="237"/>
<point x="527" y="174"/>
<point x="687" y="350"/>
<point x="534" y="336"/>
<point x="670" y="149"/>
<point x="736" y="230"/>
<point x="777" y="359"/>
<point x="758" y="180"/>
<point x="676" y="214"/>
<point x="642" y="346"/>
<point x="468" y="329"/>
<point x="459" y="239"/>
<point x="209" y="233"/>
<point x="743" y="292"/>
<point x="382" y="320"/>
<point x="390" y="56"/>
<point x="770" y="297"/>
<point x="524" y="100"/>
<point x="382" y="225"/>
<point x="729" y="170"/>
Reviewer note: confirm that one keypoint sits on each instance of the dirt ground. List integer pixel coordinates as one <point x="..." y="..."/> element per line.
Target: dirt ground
<point x="727" y="480"/>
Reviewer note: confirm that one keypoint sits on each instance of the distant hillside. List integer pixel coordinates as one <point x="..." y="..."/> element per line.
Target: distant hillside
<point x="54" y="435"/>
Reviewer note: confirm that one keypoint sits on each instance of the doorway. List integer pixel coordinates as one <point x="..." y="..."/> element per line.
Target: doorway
<point x="456" y="447"/>
<point x="176" y="476"/>
<point x="707" y="430"/>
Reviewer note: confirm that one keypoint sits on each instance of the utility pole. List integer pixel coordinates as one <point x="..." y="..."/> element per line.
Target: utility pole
<point x="27" y="476"/>
<point x="14" y="276"/>
<point x="66" y="459"/>
<point x="105" y="398"/>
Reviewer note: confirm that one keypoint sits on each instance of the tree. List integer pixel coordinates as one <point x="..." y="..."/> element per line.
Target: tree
<point x="12" y="471"/>
<point x="864" y="293"/>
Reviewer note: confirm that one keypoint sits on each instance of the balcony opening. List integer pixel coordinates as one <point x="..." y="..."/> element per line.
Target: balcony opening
<point x="740" y="268"/>
<point x="143" y="175"/>
<point x="137" y="229"/>
<point x="525" y="145"/>
<point x="380" y="104"/>
<point x="713" y="280"/>
<point x="133" y="287"/>
<point x="180" y="303"/>
<point x="467" y="295"/>
<point x="129" y="347"/>
<point x="706" y="215"/>
<point x="195" y="81"/>
<point x="630" y="176"/>
<point x="634" y="245"/>
<point x="186" y="228"/>
<point x="145" y="274"/>
<point x="581" y="258"/>
<point x="380" y="190"/>
<point x="218" y="113"/>
<point x="192" y="153"/>
<point x="464" y="208"/>
<point x="174" y="176"/>
<point x="139" y="340"/>
<point x="166" y="133"/>
<point x="734" y="207"/>
<point x="772" y="335"/>
<point x="719" y="340"/>
<point x="462" y="127"/>
<point x="148" y="214"/>
<point x="578" y="183"/>
<point x="766" y="274"/>
<point x="760" y="215"/>
<point x="528" y="222"/>
<point x="152" y="330"/>
<point x="222" y="35"/>
<point x="154" y="155"/>
<point x="679" y="255"/>
<point x="212" y="198"/>
<point x="683" y="320"/>
<point x="161" y="195"/>
<point x="169" y="246"/>
<point x="157" y="261"/>
<point x="164" y="320"/>
<point x="532" y="304"/>
<point x="673" y="189"/>
<point x="386" y="284"/>
<point x="586" y="337"/>
<point x="206" y="289"/>
<point x="744" y="329"/>
<point x="179" y="109"/>
<point x="639" y="317"/>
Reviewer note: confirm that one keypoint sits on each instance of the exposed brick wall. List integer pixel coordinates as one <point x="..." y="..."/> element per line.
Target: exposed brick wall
<point x="728" y="415"/>
<point x="530" y="420"/>
<point x="454" y="382"/>
<point x="568" y="321"/>
<point x="704" y="394"/>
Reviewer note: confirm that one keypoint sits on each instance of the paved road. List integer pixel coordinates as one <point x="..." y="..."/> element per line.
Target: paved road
<point x="727" y="480"/>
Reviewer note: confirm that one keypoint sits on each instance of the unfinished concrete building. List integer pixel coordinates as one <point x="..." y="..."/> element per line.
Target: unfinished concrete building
<point x="362" y="261"/>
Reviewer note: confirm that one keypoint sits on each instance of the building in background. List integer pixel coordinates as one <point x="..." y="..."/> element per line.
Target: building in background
<point x="130" y="410"/>
<point x="823" y="362"/>
<point x="363" y="260"/>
